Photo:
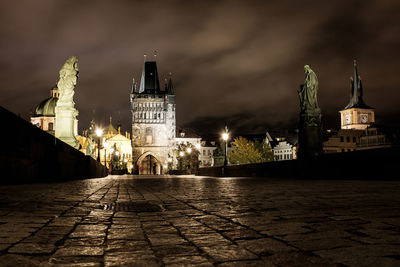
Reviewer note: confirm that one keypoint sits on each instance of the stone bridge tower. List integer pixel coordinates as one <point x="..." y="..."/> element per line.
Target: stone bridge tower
<point x="153" y="122"/>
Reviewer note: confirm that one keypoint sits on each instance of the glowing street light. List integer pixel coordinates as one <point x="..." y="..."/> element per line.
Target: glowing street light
<point x="189" y="150"/>
<point x="99" y="133"/>
<point x="198" y="146"/>
<point x="181" y="154"/>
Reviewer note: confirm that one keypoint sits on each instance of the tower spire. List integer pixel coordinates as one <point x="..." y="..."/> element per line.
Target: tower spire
<point x="170" y="87"/>
<point x="356" y="90"/>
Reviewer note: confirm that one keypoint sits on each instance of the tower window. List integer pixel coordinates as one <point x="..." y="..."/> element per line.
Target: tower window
<point x="50" y="126"/>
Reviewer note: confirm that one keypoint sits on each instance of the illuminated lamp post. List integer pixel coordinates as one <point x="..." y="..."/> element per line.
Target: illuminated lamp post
<point x="99" y="133"/>
<point x="225" y="137"/>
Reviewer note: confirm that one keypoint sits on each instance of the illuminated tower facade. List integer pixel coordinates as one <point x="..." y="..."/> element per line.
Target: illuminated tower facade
<point x="356" y="115"/>
<point x="153" y="122"/>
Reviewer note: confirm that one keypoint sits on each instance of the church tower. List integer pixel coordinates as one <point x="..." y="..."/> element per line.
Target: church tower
<point x="153" y="122"/>
<point x="356" y="115"/>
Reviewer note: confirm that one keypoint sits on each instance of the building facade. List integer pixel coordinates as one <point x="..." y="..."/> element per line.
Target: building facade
<point x="283" y="151"/>
<point x="44" y="116"/>
<point x="153" y="122"/>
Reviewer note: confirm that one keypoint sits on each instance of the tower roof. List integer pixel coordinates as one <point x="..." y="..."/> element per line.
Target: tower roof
<point x="47" y="106"/>
<point x="356" y="91"/>
<point x="149" y="84"/>
<point x="170" y="87"/>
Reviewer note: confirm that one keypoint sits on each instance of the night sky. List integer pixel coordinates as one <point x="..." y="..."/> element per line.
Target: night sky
<point x="239" y="62"/>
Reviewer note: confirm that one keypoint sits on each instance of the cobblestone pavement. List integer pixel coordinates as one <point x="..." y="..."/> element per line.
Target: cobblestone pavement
<point x="175" y="221"/>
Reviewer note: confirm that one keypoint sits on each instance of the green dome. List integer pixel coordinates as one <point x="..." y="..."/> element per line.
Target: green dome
<point x="46" y="107"/>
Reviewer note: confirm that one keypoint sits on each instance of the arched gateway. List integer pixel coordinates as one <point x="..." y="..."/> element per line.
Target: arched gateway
<point x="148" y="164"/>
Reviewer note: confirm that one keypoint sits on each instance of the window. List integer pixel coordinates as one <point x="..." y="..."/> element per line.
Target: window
<point x="155" y="116"/>
<point x="204" y="152"/>
<point x="50" y="127"/>
<point x="149" y="135"/>
<point x="347" y="138"/>
<point x="209" y="152"/>
<point x="354" y="139"/>
<point x="341" y="139"/>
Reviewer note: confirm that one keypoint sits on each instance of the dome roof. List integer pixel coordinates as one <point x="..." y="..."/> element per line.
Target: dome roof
<point x="46" y="107"/>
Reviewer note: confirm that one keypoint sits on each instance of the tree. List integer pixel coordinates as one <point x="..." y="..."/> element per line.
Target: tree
<point x="245" y="151"/>
<point x="189" y="161"/>
<point x="266" y="151"/>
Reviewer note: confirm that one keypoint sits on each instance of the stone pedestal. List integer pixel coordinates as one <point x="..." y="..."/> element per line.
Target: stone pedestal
<point x="65" y="118"/>
<point x="310" y="135"/>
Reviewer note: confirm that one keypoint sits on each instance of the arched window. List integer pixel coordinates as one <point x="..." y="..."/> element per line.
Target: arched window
<point x="149" y="135"/>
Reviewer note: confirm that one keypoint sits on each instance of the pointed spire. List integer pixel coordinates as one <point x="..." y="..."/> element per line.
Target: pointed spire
<point x="144" y="56"/>
<point x="155" y="54"/>
<point x="170" y="87"/>
<point x="356" y="90"/>
<point x="110" y="120"/>
<point x="149" y="82"/>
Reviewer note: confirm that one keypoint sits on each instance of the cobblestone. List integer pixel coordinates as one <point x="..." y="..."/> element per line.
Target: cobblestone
<point x="194" y="221"/>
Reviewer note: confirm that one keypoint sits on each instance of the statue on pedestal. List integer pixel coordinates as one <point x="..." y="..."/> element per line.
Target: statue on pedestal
<point x="65" y="110"/>
<point x="310" y="132"/>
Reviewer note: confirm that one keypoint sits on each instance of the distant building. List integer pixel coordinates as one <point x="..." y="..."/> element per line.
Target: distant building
<point x="153" y="122"/>
<point x="206" y="156"/>
<point x="44" y="116"/>
<point x="345" y="140"/>
<point x="283" y="151"/>
<point x="374" y="137"/>
<point x="185" y="137"/>
<point x="356" y="115"/>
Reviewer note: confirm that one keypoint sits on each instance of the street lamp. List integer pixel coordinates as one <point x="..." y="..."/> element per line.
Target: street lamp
<point x="105" y="145"/>
<point x="198" y="146"/>
<point x="225" y="137"/>
<point x="99" y="133"/>
<point x="189" y="150"/>
<point x="181" y="154"/>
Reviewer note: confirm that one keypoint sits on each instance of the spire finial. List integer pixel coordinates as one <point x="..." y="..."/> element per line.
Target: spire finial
<point x="145" y="55"/>
<point x="155" y="53"/>
<point x="355" y="62"/>
<point x="110" y="119"/>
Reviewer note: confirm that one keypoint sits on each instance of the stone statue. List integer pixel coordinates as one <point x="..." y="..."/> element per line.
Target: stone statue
<point x="66" y="123"/>
<point x="68" y="79"/>
<point x="310" y="128"/>
<point x="308" y="91"/>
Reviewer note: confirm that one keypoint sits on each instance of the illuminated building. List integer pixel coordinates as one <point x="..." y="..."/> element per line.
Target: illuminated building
<point x="44" y="116"/>
<point x="153" y="122"/>
<point x="356" y="115"/>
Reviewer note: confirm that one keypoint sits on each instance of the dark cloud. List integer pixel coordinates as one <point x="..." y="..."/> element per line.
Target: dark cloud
<point x="235" y="61"/>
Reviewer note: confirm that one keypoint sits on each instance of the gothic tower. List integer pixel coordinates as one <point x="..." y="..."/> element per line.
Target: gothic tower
<point x="356" y="115"/>
<point x="153" y="122"/>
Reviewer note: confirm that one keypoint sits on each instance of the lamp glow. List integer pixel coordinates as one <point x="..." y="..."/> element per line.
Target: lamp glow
<point x="198" y="146"/>
<point x="181" y="153"/>
<point x="99" y="132"/>
<point x="189" y="150"/>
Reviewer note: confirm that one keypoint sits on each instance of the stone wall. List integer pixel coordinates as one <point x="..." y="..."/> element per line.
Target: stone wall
<point x="30" y="155"/>
<point x="367" y="164"/>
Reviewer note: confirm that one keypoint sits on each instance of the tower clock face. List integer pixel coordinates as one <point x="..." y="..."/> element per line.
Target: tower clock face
<point x="348" y="119"/>
<point x="364" y="118"/>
